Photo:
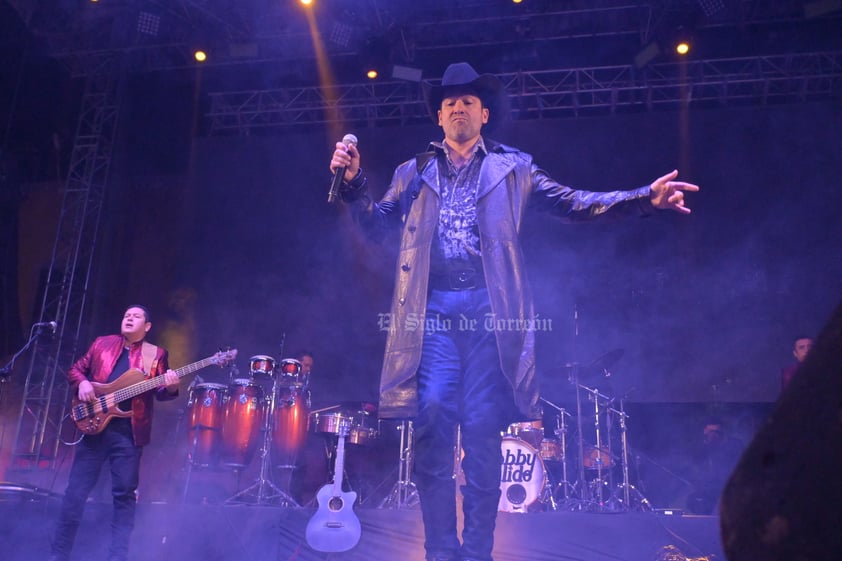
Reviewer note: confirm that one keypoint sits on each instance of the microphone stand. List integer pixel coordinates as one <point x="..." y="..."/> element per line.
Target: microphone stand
<point x="6" y="371"/>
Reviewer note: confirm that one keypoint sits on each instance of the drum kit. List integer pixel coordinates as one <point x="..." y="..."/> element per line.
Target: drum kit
<point x="536" y="471"/>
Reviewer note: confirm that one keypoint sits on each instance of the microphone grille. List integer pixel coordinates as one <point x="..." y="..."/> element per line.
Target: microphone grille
<point x="349" y="139"/>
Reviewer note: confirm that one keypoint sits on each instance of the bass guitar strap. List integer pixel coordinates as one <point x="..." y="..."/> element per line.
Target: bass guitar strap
<point x="150" y="360"/>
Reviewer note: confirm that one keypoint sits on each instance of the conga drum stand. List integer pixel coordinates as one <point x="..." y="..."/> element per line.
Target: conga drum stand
<point x="264" y="491"/>
<point x="404" y="494"/>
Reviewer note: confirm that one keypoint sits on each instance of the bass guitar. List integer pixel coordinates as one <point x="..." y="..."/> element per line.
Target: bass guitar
<point x="91" y="417"/>
<point x="335" y="527"/>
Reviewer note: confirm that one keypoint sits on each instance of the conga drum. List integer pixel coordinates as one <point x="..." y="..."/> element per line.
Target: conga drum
<point x="261" y="365"/>
<point x="242" y="422"/>
<point x="290" y="375"/>
<point x="205" y="406"/>
<point x="289" y="424"/>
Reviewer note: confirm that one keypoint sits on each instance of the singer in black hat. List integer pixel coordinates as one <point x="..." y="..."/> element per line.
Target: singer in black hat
<point x="459" y="207"/>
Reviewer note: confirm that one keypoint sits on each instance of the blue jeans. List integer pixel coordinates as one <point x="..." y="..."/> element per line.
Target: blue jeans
<point x="460" y="383"/>
<point x="116" y="445"/>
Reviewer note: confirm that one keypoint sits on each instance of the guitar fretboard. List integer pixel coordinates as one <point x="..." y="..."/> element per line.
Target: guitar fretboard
<point x="157" y="381"/>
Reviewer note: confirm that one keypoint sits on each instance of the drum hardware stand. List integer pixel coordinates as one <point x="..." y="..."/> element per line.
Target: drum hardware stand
<point x="595" y="395"/>
<point x="264" y="490"/>
<point x="191" y="456"/>
<point x="564" y="486"/>
<point x="584" y="490"/>
<point x="574" y="379"/>
<point x="624" y="442"/>
<point x="404" y="494"/>
<point x="627" y="487"/>
<point x="190" y="460"/>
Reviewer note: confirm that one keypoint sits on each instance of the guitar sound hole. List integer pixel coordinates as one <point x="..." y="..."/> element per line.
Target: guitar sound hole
<point x="335" y="503"/>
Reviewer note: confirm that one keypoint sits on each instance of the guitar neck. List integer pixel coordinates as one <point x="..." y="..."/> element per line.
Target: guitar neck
<point x="339" y="466"/>
<point x="158" y="381"/>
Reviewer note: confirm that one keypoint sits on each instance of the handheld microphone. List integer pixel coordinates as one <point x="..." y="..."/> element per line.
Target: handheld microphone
<point x="348" y="140"/>
<point x="51" y="324"/>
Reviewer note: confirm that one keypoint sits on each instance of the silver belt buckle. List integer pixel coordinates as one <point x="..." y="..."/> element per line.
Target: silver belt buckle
<point x="463" y="279"/>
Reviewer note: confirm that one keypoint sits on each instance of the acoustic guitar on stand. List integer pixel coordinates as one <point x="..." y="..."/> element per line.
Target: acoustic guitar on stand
<point x="91" y="417"/>
<point x="335" y="527"/>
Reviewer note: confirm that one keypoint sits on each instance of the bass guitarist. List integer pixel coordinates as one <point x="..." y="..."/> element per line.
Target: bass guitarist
<point x="122" y="439"/>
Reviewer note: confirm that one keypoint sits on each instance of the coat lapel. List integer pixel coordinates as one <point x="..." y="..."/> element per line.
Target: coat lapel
<point x="495" y="167"/>
<point x="429" y="170"/>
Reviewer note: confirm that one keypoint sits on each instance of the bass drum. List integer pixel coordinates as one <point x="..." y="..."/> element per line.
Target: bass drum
<point x="522" y="476"/>
<point x="242" y="422"/>
<point x="206" y="411"/>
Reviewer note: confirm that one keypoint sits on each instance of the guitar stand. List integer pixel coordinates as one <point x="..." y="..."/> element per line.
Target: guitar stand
<point x="263" y="491"/>
<point x="404" y="494"/>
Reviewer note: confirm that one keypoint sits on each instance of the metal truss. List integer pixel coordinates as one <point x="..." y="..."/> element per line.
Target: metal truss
<point x="45" y="398"/>
<point x="402" y="31"/>
<point x="546" y="94"/>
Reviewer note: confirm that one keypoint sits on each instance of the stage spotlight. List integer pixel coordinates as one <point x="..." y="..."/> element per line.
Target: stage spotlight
<point x="200" y="55"/>
<point x="682" y="47"/>
<point x="372" y="73"/>
<point x="306" y="2"/>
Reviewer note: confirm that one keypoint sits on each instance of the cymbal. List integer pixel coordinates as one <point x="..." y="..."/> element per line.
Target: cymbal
<point x="606" y="360"/>
<point x="598" y="366"/>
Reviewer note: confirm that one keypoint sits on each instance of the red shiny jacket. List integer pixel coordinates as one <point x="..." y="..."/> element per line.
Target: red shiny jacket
<point x="96" y="365"/>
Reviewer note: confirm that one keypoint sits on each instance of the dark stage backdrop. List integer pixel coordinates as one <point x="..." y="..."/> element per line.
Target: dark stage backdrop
<point x="704" y="307"/>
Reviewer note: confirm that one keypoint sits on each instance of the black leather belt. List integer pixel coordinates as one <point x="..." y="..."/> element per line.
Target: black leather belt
<point x="457" y="279"/>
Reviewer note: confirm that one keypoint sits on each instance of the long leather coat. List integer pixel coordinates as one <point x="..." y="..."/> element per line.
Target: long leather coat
<point x="508" y="182"/>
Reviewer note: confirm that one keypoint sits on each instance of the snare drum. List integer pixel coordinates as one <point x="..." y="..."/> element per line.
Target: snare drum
<point x="205" y="405"/>
<point x="242" y="422"/>
<point x="261" y="364"/>
<point x="365" y="428"/>
<point x="522" y="476"/>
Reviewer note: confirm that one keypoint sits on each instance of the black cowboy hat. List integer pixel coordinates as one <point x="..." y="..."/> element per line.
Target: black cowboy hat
<point x="461" y="76"/>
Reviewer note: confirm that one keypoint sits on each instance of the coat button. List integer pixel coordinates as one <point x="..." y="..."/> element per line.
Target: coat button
<point x="402" y="301"/>
<point x="405" y="267"/>
<point x="412" y="229"/>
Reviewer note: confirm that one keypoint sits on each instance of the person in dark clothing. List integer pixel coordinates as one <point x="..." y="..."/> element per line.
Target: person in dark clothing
<point x="122" y="440"/>
<point x="712" y="462"/>
<point x="800" y="347"/>
<point x="461" y="330"/>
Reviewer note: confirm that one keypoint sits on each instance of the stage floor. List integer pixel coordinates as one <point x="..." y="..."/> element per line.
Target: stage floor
<point x="177" y="532"/>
